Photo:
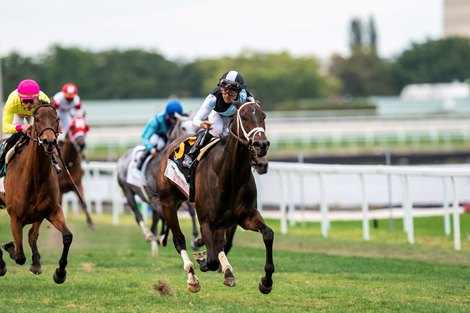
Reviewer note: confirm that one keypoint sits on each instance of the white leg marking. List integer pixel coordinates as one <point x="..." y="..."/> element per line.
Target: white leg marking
<point x="224" y="262"/>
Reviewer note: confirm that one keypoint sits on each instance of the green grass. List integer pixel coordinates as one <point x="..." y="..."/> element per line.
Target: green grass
<point x="111" y="270"/>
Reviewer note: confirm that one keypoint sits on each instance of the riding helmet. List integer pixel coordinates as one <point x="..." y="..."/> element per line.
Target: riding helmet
<point x="174" y="106"/>
<point x="28" y="89"/>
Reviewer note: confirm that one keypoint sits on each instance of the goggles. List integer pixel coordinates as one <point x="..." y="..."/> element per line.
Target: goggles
<point x="27" y="101"/>
<point x="230" y="85"/>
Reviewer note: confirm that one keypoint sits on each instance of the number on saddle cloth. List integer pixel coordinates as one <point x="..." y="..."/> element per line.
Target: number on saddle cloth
<point x="177" y="156"/>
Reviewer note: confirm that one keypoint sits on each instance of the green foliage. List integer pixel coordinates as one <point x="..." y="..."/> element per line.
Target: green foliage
<point x="434" y="61"/>
<point x="272" y="77"/>
<point x="141" y="74"/>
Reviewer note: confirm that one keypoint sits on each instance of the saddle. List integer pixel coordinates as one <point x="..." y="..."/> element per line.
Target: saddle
<point x="16" y="149"/>
<point x="175" y="162"/>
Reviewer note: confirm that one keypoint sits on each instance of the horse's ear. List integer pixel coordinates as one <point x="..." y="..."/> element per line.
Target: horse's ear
<point x="84" y="113"/>
<point x="29" y="132"/>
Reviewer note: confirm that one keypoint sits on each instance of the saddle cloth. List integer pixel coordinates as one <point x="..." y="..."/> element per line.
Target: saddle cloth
<point x="179" y="174"/>
<point x="135" y="176"/>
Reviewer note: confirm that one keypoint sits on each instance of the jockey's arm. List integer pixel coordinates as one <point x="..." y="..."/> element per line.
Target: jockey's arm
<point x="204" y="111"/>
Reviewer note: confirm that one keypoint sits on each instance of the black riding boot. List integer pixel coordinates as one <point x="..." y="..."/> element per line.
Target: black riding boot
<point x="202" y="139"/>
<point x="141" y="161"/>
<point x="55" y="164"/>
<point x="10" y="142"/>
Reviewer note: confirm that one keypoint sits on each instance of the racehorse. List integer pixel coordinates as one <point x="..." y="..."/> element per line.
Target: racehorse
<point x="72" y="155"/>
<point x="32" y="192"/>
<point x="182" y="127"/>
<point x="225" y="196"/>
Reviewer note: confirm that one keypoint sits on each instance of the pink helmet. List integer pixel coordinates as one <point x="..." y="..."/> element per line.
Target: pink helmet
<point x="28" y="89"/>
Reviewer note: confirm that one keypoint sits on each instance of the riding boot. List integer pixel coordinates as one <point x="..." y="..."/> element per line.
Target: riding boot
<point x="7" y="144"/>
<point x="202" y="139"/>
<point x="3" y="153"/>
<point x="55" y="165"/>
<point x="141" y="161"/>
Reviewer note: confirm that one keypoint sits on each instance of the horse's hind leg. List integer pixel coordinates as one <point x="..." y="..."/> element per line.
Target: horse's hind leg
<point x="36" y="257"/>
<point x="171" y="218"/>
<point x="59" y="222"/>
<point x="196" y="242"/>
<point x="256" y="223"/>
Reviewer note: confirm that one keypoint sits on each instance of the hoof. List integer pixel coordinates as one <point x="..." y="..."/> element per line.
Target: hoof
<point x="21" y="261"/>
<point x="194" y="287"/>
<point x="91" y="226"/>
<point x="35" y="269"/>
<point x="229" y="279"/>
<point x="3" y="270"/>
<point x="59" y="276"/>
<point x="10" y="248"/>
<point x="265" y="290"/>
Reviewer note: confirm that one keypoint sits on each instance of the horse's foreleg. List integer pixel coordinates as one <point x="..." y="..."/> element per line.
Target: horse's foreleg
<point x="256" y="223"/>
<point x="84" y="207"/>
<point x="17" y="230"/>
<point x="36" y="257"/>
<point x="214" y="241"/>
<point x="59" y="222"/>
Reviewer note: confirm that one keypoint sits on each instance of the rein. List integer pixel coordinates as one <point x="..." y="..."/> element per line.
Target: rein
<point x="80" y="197"/>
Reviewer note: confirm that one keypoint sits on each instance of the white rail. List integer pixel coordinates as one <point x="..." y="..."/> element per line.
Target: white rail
<point x="291" y="185"/>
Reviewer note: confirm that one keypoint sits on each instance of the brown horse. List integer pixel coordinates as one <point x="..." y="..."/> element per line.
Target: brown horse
<point x="32" y="193"/>
<point x="72" y="156"/>
<point x="225" y="196"/>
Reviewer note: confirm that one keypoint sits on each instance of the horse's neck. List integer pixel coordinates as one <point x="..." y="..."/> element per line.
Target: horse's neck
<point x="36" y="161"/>
<point x="237" y="158"/>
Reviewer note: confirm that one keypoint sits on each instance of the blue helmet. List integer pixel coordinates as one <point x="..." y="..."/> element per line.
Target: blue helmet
<point x="174" y="106"/>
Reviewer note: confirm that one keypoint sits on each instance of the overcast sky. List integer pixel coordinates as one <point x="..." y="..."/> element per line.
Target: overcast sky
<point x="190" y="29"/>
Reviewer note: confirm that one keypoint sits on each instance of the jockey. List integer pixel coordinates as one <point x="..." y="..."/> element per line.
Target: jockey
<point x="155" y="134"/>
<point x="18" y="116"/>
<point x="65" y="101"/>
<point x="218" y="109"/>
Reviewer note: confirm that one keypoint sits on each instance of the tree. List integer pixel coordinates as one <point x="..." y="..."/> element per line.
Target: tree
<point x="434" y="61"/>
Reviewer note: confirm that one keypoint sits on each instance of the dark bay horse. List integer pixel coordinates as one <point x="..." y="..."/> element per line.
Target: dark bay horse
<point x="182" y="127"/>
<point x="32" y="193"/>
<point x="225" y="196"/>
<point x="72" y="155"/>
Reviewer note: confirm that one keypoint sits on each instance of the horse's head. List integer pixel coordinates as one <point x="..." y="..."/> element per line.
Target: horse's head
<point x="77" y="132"/>
<point x="45" y="127"/>
<point x="183" y="126"/>
<point x="250" y="126"/>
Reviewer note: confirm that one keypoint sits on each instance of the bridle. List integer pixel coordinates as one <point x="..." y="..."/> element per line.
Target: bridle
<point x="38" y="139"/>
<point x="248" y="140"/>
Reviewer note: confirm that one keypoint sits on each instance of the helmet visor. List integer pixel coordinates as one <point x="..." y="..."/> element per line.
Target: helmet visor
<point x="230" y="85"/>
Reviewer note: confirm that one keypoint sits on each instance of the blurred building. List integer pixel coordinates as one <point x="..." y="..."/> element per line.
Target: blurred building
<point x="456" y="18"/>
